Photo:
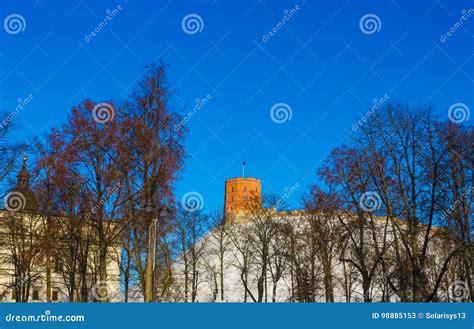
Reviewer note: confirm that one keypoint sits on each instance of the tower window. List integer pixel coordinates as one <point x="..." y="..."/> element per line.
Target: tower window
<point x="35" y="295"/>
<point x="232" y="189"/>
<point x="245" y="188"/>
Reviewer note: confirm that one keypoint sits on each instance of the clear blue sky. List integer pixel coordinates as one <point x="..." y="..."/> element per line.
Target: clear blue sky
<point x="320" y="63"/>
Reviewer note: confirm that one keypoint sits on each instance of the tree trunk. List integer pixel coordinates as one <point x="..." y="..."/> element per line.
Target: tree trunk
<point x="48" y="274"/>
<point x="366" y="287"/>
<point x="148" y="269"/>
<point x="275" y="283"/>
<point x="103" y="262"/>
<point x="222" y="274"/>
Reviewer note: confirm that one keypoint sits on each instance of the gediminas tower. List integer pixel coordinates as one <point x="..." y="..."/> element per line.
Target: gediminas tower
<point x="238" y="192"/>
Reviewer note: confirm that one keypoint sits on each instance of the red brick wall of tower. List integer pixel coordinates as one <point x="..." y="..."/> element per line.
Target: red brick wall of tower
<point x="238" y="191"/>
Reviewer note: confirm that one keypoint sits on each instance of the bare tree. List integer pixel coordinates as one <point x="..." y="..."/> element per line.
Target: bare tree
<point x="22" y="240"/>
<point x="278" y="258"/>
<point x="190" y="227"/>
<point x="244" y="258"/>
<point x="323" y="232"/>
<point x="457" y="142"/>
<point x="408" y="166"/>
<point x="262" y="217"/>
<point x="155" y="154"/>
<point x="348" y="177"/>
<point x="220" y="244"/>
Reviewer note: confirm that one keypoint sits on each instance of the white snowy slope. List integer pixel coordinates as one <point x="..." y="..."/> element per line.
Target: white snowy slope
<point x="207" y="274"/>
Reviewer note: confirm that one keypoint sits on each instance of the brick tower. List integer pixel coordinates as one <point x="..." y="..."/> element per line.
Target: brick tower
<point x="238" y="191"/>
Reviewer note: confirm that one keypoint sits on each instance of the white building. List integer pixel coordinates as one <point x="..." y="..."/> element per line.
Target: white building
<point x="28" y="237"/>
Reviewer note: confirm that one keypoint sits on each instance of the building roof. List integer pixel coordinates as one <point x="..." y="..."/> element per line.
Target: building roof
<point x="21" y="197"/>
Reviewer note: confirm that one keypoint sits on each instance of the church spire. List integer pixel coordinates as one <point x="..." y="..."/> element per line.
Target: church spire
<point x="23" y="177"/>
<point x="23" y="189"/>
